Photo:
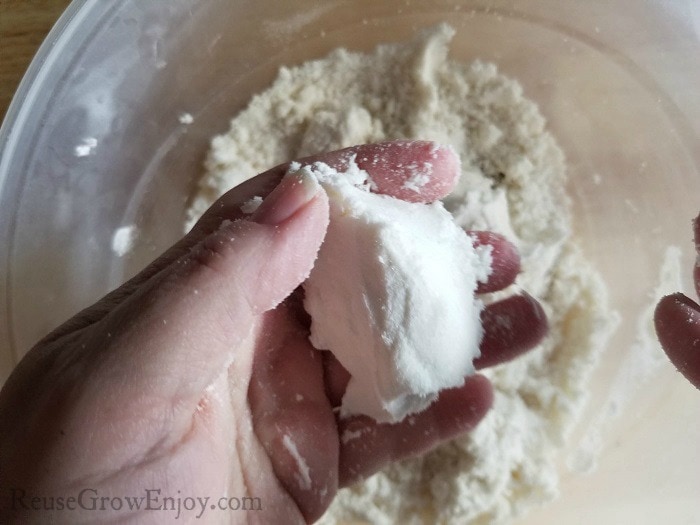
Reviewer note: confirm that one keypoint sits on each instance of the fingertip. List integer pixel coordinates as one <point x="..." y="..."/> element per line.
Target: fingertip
<point x="474" y="399"/>
<point x="293" y="193"/>
<point x="511" y="327"/>
<point x="666" y="305"/>
<point x="677" y="323"/>
<point x="411" y="170"/>
<point x="668" y="312"/>
<point x="505" y="260"/>
<point x="231" y="204"/>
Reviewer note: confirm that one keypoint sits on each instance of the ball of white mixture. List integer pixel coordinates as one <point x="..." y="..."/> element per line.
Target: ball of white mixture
<point x="392" y="296"/>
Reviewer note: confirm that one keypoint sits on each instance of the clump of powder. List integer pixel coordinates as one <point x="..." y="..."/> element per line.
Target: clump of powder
<point x="393" y="281"/>
<point x="512" y="182"/>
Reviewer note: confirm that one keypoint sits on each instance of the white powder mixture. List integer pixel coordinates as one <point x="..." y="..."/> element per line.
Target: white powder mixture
<point x="512" y="182"/>
<point x="394" y="280"/>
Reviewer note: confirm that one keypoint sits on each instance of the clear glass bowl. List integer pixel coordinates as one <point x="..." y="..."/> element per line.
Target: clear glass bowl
<point x="616" y="80"/>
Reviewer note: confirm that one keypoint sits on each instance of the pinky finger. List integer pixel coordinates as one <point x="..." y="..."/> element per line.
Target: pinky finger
<point x="367" y="446"/>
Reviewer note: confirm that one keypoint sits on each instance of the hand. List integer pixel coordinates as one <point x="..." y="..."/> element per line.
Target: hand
<point x="677" y="320"/>
<point x="196" y="377"/>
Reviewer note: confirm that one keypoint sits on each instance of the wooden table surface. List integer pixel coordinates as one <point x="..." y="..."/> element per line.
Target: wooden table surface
<point x="23" y="27"/>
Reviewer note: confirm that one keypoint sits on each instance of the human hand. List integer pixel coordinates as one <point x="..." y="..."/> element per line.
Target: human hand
<point x="196" y="377"/>
<point x="677" y="320"/>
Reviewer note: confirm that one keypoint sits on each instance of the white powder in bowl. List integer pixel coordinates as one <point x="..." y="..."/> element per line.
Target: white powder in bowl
<point x="512" y="182"/>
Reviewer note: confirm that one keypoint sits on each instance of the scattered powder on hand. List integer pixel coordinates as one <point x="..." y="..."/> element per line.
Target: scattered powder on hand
<point x="512" y="182"/>
<point x="394" y="280"/>
<point x="419" y="176"/>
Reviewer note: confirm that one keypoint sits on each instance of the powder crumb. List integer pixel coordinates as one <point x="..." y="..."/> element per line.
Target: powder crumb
<point x="185" y="118"/>
<point x="123" y="239"/>
<point x="303" y="476"/>
<point x="86" y="147"/>
<point x="251" y="205"/>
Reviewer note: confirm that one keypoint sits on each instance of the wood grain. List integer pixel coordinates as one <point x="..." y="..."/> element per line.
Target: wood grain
<point x="23" y="26"/>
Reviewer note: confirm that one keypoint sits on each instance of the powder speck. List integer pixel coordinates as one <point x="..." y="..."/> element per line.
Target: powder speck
<point x="86" y="147"/>
<point x="185" y="118"/>
<point x="123" y="239"/>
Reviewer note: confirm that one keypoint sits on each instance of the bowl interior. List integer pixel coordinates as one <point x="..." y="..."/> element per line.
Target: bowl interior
<point x="617" y="91"/>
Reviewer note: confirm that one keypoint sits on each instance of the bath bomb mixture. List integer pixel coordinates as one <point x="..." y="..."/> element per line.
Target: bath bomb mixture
<point x="392" y="296"/>
<point x="512" y="182"/>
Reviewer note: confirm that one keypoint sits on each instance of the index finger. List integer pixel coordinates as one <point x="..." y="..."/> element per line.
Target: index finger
<point x="415" y="171"/>
<point x="410" y="170"/>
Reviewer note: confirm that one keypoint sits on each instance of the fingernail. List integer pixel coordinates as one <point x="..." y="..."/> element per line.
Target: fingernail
<point x="294" y="192"/>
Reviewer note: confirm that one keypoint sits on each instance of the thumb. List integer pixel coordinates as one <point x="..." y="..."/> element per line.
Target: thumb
<point x="182" y="328"/>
